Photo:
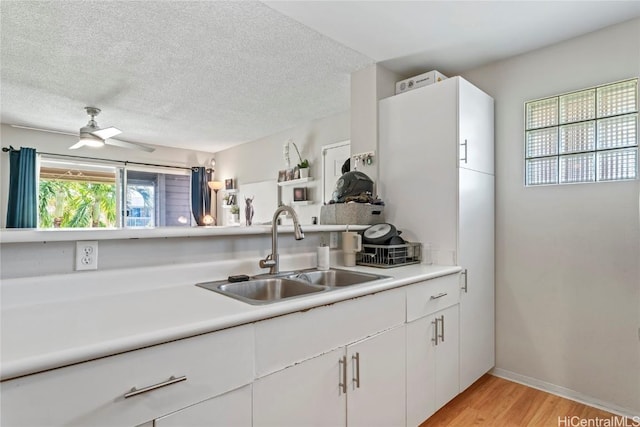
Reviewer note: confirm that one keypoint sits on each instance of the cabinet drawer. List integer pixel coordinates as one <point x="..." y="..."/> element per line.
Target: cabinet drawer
<point x="286" y="340"/>
<point x="92" y="393"/>
<point x="432" y="295"/>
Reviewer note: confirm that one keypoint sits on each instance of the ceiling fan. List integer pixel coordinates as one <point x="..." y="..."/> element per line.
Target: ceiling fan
<point x="91" y="135"/>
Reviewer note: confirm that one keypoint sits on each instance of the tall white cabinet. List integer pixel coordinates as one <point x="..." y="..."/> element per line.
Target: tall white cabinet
<point x="437" y="180"/>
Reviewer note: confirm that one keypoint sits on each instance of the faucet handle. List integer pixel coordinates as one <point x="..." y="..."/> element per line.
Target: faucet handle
<point x="268" y="262"/>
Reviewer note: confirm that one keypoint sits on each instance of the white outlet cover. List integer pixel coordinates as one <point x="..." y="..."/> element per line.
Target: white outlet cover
<point x="86" y="255"/>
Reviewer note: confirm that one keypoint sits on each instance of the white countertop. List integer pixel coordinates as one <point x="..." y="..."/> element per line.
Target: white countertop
<point x="53" y="333"/>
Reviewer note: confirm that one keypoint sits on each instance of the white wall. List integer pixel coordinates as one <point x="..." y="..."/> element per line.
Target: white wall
<point x="261" y="159"/>
<point x="368" y="86"/>
<point x="59" y="144"/>
<point x="567" y="257"/>
<point x="51" y="258"/>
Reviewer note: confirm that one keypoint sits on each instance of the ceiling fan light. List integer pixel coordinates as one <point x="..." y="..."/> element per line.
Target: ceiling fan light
<point x="90" y="140"/>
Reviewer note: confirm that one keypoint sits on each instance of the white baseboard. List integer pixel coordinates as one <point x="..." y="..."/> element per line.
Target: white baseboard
<point x="563" y="392"/>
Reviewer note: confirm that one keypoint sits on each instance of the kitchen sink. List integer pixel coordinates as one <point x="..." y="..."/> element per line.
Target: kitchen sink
<point x="334" y="278"/>
<point x="263" y="291"/>
<point x="266" y="290"/>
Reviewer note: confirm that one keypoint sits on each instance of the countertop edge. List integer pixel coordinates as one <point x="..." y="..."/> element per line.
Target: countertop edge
<point x="8" y="236"/>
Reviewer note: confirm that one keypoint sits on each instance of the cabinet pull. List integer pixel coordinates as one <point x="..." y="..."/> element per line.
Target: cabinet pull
<point x="435" y="331"/>
<point x="464" y="159"/>
<point x="172" y="380"/>
<point x="343" y="371"/>
<point x="356" y="379"/>
<point x="466" y="275"/>
<point x="441" y="328"/>
<point x="440" y="295"/>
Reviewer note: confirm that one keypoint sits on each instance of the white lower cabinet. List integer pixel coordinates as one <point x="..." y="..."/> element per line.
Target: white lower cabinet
<point x="432" y="363"/>
<point x="376" y="380"/>
<point x="306" y="394"/>
<point x="362" y="384"/>
<point x="387" y="359"/>
<point x="132" y="388"/>
<point x="232" y="409"/>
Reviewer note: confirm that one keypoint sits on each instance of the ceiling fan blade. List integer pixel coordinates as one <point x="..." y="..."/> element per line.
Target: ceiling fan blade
<point x="130" y="145"/>
<point x="44" y="130"/>
<point x="77" y="145"/>
<point x="106" y="132"/>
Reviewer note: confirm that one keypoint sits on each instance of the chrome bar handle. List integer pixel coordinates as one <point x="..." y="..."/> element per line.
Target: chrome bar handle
<point x="466" y="276"/>
<point x="172" y="380"/>
<point x="442" y="328"/>
<point x="464" y="159"/>
<point x="356" y="379"/>
<point x="435" y="331"/>
<point x="440" y="295"/>
<point x="343" y="367"/>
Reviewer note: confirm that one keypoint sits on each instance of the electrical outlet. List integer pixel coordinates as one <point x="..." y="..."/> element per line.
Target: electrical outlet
<point x="333" y="240"/>
<point x="86" y="255"/>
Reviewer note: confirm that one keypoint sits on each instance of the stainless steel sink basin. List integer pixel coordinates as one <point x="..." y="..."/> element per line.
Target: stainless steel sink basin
<point x="334" y="278"/>
<point x="266" y="290"/>
<point x="263" y="291"/>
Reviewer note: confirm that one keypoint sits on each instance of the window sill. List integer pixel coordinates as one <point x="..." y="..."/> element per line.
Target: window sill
<point x="68" y="234"/>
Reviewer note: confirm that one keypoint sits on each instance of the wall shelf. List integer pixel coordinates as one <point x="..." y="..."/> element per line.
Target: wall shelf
<point x="295" y="181"/>
<point x="303" y="203"/>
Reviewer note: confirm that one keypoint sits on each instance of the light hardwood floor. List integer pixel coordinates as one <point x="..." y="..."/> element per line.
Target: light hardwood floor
<point x="496" y="402"/>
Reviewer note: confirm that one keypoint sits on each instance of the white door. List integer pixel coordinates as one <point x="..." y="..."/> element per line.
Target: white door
<point x="421" y="370"/>
<point x="475" y="139"/>
<point x="447" y="381"/>
<point x="476" y="256"/>
<point x="333" y="157"/>
<point x="376" y="392"/>
<point x="307" y="394"/>
<point x="231" y="409"/>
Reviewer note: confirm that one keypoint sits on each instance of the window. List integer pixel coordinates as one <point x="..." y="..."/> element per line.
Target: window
<point x="156" y="199"/>
<point x="585" y="136"/>
<point x="74" y="194"/>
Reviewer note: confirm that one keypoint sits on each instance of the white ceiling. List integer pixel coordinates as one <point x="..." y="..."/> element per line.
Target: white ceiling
<point x="208" y="75"/>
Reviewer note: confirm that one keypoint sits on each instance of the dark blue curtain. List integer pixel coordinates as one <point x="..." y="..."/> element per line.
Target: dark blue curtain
<point x="200" y="194"/>
<point x="23" y="196"/>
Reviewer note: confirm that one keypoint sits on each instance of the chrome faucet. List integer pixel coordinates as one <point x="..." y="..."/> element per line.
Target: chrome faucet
<point x="272" y="260"/>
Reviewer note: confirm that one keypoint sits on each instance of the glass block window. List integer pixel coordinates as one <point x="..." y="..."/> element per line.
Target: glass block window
<point x="584" y="136"/>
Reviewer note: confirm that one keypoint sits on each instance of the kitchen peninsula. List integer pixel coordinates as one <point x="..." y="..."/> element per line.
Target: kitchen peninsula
<point x="124" y="330"/>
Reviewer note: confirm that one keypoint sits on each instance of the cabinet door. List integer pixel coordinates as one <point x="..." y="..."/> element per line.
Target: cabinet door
<point x="475" y="137"/>
<point x="447" y="380"/>
<point x="418" y="165"/>
<point x="421" y="370"/>
<point x="376" y="393"/>
<point x="232" y="409"/>
<point x="476" y="256"/>
<point x="306" y="394"/>
<point x="432" y="369"/>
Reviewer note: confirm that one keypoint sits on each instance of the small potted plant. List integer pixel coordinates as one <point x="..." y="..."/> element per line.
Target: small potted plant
<point x="303" y="164"/>
<point x="235" y="213"/>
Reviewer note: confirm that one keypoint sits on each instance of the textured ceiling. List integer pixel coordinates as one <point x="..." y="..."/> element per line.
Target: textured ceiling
<point x="207" y="75"/>
<point x="203" y="75"/>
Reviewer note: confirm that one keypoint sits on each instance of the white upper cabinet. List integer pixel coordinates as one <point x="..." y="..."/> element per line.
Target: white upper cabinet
<point x="475" y="128"/>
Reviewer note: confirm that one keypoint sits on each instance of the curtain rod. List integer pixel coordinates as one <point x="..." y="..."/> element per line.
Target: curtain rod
<point x="125" y="162"/>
